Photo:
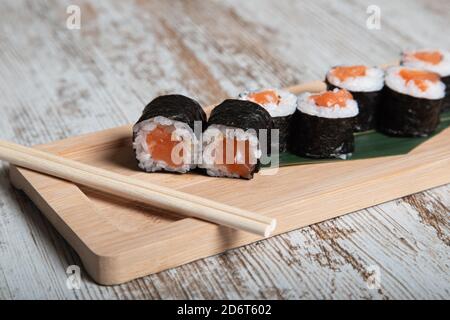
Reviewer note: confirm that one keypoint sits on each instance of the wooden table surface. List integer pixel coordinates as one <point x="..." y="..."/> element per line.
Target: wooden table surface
<point x="56" y="83"/>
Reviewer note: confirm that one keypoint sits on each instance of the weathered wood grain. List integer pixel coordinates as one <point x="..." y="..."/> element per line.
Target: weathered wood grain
<point x="56" y="83"/>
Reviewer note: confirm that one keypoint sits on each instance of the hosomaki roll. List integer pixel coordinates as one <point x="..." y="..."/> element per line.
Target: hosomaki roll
<point x="365" y="84"/>
<point x="234" y="140"/>
<point x="433" y="60"/>
<point x="281" y="106"/>
<point x="164" y="138"/>
<point x="322" y="126"/>
<point x="412" y="102"/>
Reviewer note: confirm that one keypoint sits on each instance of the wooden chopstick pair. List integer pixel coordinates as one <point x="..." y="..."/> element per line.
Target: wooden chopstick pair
<point x="137" y="190"/>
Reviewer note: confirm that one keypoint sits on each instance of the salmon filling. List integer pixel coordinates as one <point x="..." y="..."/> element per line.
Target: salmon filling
<point x="160" y="146"/>
<point x="264" y="97"/>
<point x="419" y="77"/>
<point x="234" y="156"/>
<point x="331" y="98"/>
<point x="345" y="72"/>
<point x="432" y="57"/>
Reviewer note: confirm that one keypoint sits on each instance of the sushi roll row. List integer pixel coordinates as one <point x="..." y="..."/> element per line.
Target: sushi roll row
<point x="173" y="135"/>
<point x="403" y="101"/>
<point x="315" y="126"/>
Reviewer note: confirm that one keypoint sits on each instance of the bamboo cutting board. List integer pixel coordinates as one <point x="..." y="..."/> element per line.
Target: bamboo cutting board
<point x="119" y="240"/>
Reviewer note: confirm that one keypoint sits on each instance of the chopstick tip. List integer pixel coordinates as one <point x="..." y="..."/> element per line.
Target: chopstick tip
<point x="270" y="228"/>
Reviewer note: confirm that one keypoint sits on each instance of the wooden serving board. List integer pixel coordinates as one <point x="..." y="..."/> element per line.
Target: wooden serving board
<point x="119" y="240"/>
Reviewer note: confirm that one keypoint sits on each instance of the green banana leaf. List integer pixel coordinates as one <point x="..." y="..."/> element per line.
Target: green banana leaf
<point x="371" y="144"/>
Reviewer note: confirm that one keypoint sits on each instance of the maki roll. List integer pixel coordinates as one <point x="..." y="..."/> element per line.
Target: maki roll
<point x="234" y="141"/>
<point x="412" y="102"/>
<point x="281" y="106"/>
<point x="365" y="84"/>
<point x="322" y="126"/>
<point x="437" y="61"/>
<point x="163" y="137"/>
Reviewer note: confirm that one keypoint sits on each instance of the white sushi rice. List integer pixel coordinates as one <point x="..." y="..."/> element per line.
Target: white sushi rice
<point x="286" y="106"/>
<point x="372" y="81"/>
<point x="213" y="142"/>
<point x="308" y="106"/>
<point x="182" y="133"/>
<point x="435" y="90"/>
<point x="442" y="68"/>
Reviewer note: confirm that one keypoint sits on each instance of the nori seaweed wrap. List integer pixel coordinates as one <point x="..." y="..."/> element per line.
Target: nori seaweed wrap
<point x="322" y="126"/>
<point x="368" y="104"/>
<point x="236" y="123"/>
<point x="412" y="102"/>
<point x="281" y="106"/>
<point x="282" y="124"/>
<point x="175" y="107"/>
<point x="240" y="114"/>
<point x="317" y="137"/>
<point x="168" y="122"/>
<point x="365" y="84"/>
<point x="404" y="115"/>
<point x="446" y="102"/>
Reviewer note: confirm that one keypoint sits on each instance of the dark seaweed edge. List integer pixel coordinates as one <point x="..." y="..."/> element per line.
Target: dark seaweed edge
<point x="283" y="124"/>
<point x="319" y="137"/>
<point x="404" y="115"/>
<point x="446" y="103"/>
<point x="368" y="105"/>
<point x="175" y="107"/>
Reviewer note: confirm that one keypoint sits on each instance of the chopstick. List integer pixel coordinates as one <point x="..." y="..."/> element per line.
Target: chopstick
<point x="137" y="190"/>
<point x="143" y="184"/>
<point x="313" y="86"/>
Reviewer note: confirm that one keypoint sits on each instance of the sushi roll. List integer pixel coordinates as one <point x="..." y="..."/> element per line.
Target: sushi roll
<point x="322" y="126"/>
<point x="437" y="61"/>
<point x="412" y="102"/>
<point x="163" y="137"/>
<point x="365" y="84"/>
<point x="281" y="106"/>
<point x="233" y="143"/>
